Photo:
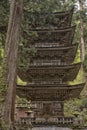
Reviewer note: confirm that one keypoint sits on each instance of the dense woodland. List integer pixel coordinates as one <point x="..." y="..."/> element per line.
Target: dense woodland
<point x="12" y="14"/>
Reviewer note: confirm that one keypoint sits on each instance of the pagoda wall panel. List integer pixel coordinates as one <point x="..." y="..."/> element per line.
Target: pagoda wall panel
<point x="48" y="108"/>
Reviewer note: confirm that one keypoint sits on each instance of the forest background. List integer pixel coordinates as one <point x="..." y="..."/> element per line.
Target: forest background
<point x="75" y="106"/>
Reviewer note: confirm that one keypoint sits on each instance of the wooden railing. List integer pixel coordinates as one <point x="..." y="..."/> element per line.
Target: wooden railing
<point x="49" y="121"/>
<point x="48" y="82"/>
<point x="43" y="63"/>
<point x="47" y="45"/>
<point x="47" y="62"/>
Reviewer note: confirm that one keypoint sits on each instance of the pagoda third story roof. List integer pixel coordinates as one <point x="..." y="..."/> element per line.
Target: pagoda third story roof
<point x="59" y="93"/>
<point x="60" y="37"/>
<point x="55" y="55"/>
<point x="50" y="72"/>
<point x="54" y="20"/>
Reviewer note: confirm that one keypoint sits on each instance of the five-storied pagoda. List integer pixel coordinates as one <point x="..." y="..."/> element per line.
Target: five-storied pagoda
<point x="51" y="69"/>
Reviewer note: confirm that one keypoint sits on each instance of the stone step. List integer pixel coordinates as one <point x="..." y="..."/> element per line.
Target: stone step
<point x="51" y="128"/>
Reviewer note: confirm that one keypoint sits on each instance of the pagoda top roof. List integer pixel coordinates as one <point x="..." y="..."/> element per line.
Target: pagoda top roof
<point x="58" y="93"/>
<point x="49" y="85"/>
<point x="56" y="48"/>
<point x="54" y="13"/>
<point x="52" y="19"/>
<point x="42" y="66"/>
<point x="52" y="29"/>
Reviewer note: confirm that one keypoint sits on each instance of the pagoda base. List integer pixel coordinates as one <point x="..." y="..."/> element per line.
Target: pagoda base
<point x="47" y="109"/>
<point x="47" y="113"/>
<point x="48" y="122"/>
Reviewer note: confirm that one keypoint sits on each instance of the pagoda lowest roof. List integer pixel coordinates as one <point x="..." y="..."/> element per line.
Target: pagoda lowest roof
<point x="59" y="93"/>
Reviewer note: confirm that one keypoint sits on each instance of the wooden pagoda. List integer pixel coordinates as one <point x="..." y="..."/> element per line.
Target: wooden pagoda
<point x="50" y="70"/>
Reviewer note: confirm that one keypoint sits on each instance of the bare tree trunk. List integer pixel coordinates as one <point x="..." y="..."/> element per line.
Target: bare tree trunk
<point x="11" y="54"/>
<point x="82" y="43"/>
<point x="14" y="97"/>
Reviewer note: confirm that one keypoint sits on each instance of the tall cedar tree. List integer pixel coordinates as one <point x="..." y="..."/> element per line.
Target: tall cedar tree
<point x="82" y="43"/>
<point x="11" y="54"/>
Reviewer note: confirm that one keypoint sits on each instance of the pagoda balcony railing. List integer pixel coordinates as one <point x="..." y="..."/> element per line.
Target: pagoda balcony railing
<point x="50" y="45"/>
<point x="42" y="82"/>
<point x="59" y="81"/>
<point x="47" y="62"/>
<point x="47" y="45"/>
<point x="50" y="121"/>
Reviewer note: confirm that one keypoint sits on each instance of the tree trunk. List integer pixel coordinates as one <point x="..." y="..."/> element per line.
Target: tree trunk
<point x="11" y="54"/>
<point x="82" y="42"/>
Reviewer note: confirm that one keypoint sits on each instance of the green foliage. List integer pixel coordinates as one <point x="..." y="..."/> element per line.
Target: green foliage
<point x="85" y="63"/>
<point x="77" y="58"/>
<point x="20" y="82"/>
<point x="34" y="11"/>
<point x="3" y="84"/>
<point x="77" y="107"/>
<point x="4" y="9"/>
<point x="25" y="55"/>
<point x="1" y="50"/>
<point x="79" y="79"/>
<point x="2" y="125"/>
<point x="73" y="107"/>
<point x="23" y="103"/>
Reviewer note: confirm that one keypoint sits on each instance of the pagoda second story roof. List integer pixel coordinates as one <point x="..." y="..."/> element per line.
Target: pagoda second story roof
<point x="54" y="20"/>
<point x="50" y="72"/>
<point x="63" y="37"/>
<point x="55" y="55"/>
<point x="59" y="93"/>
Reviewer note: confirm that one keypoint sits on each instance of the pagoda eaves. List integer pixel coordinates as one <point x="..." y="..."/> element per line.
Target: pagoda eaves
<point x="49" y="93"/>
